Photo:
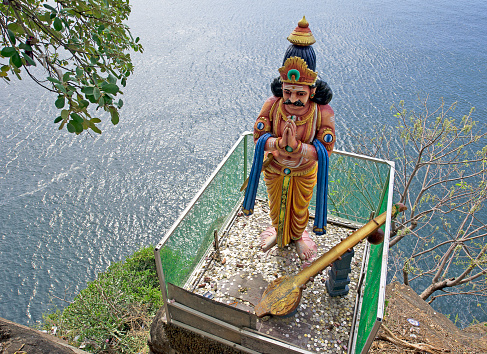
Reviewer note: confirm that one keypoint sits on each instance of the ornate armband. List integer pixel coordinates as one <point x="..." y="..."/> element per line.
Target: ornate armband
<point x="327" y="137"/>
<point x="261" y="126"/>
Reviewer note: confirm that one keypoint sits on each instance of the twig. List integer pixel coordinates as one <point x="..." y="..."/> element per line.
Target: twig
<point x="390" y="337"/>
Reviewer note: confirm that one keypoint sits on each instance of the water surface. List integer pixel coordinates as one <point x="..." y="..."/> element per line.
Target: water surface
<point x="71" y="205"/>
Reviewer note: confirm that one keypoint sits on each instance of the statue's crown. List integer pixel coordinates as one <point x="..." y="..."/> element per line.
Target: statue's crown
<point x="296" y="71"/>
<point x="302" y="34"/>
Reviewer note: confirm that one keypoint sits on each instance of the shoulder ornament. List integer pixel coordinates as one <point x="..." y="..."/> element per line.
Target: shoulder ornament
<point x="327" y="137"/>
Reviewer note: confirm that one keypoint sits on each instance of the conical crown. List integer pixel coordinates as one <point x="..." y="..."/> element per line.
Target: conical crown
<point x="302" y="34"/>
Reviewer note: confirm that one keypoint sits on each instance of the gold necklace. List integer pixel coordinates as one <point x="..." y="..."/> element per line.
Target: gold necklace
<point x="304" y="119"/>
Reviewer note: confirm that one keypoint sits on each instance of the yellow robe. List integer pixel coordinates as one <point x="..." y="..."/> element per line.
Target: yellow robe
<point x="289" y="198"/>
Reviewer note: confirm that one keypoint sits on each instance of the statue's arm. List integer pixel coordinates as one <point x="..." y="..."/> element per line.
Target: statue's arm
<point x="326" y="131"/>
<point x="263" y="125"/>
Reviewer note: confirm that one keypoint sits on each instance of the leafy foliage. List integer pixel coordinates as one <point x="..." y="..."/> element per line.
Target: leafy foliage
<point x="441" y="176"/>
<point x="82" y="46"/>
<point x="114" y="312"/>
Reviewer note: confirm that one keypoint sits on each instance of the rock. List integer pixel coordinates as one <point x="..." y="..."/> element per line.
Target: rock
<point x="158" y="342"/>
<point x="15" y="337"/>
<point x="164" y="337"/>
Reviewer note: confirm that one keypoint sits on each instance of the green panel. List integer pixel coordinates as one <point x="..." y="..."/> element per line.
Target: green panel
<point x="190" y="240"/>
<point x="355" y="187"/>
<point x="370" y="301"/>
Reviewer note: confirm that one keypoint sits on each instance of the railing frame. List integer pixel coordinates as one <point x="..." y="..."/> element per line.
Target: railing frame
<point x="380" y="309"/>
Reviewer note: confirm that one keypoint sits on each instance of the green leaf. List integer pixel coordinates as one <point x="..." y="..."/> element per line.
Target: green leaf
<point x="112" y="79"/>
<point x="114" y="115"/>
<point x="83" y="104"/>
<point x="8" y="51"/>
<point x="110" y="88"/>
<point x="29" y="59"/>
<point x="16" y="28"/>
<point x="71" y="127"/>
<point x="25" y="47"/>
<point x="53" y="80"/>
<point x="58" y="119"/>
<point x="66" y="76"/>
<point x="79" y="71"/>
<point x="65" y="114"/>
<point x="120" y="103"/>
<point x="91" y="98"/>
<point x="95" y="120"/>
<point x="76" y="117"/>
<point x="49" y="7"/>
<point x="78" y="126"/>
<point x="58" y="24"/>
<point x="61" y="88"/>
<point x="5" y="68"/>
<point x="60" y="102"/>
<point x="96" y="93"/>
<point x="95" y="129"/>
<point x="61" y="126"/>
<point x="11" y="36"/>
<point x="45" y="17"/>
<point x="101" y="28"/>
<point x="88" y="90"/>
<point x="16" y="60"/>
<point x="101" y="101"/>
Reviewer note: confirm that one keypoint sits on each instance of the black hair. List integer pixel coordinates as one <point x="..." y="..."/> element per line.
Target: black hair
<point x="323" y="94"/>
<point x="305" y="53"/>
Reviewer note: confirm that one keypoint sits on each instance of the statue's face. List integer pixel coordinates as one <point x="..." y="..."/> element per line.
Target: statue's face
<point x="296" y="97"/>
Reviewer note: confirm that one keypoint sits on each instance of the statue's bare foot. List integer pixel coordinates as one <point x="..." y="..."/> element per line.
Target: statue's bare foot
<point x="268" y="239"/>
<point x="306" y="247"/>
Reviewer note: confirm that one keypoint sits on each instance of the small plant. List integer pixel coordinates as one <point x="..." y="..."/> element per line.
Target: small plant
<point x="113" y="314"/>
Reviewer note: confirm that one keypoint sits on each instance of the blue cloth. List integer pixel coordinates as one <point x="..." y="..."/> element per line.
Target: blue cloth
<point x="319" y="226"/>
<point x="251" y="191"/>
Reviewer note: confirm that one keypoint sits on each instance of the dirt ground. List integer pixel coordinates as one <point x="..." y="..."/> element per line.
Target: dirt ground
<point x="416" y="327"/>
<point x="19" y="339"/>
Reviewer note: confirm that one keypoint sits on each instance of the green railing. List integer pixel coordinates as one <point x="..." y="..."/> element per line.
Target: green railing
<point x="357" y="187"/>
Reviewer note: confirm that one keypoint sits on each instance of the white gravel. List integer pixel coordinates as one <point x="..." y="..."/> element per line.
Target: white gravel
<point x="321" y="323"/>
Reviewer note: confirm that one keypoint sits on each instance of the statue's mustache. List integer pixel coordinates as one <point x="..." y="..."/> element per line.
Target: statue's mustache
<point x="298" y="103"/>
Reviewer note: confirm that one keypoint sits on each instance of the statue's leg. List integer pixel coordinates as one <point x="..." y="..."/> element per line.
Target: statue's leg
<point x="268" y="238"/>
<point x="302" y="191"/>
<point x="306" y="247"/>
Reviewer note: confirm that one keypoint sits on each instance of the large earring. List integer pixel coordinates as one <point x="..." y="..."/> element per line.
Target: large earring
<point x="312" y="95"/>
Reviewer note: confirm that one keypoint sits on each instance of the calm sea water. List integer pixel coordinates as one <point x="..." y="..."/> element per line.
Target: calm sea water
<point x="71" y="205"/>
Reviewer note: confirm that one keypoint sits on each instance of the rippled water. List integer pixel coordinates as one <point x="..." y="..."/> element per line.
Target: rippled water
<point x="71" y="205"/>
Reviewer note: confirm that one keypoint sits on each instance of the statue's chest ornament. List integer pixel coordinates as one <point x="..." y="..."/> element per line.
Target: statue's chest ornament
<point x="298" y="120"/>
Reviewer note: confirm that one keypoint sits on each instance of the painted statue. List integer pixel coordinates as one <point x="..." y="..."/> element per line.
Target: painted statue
<point x="296" y="130"/>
